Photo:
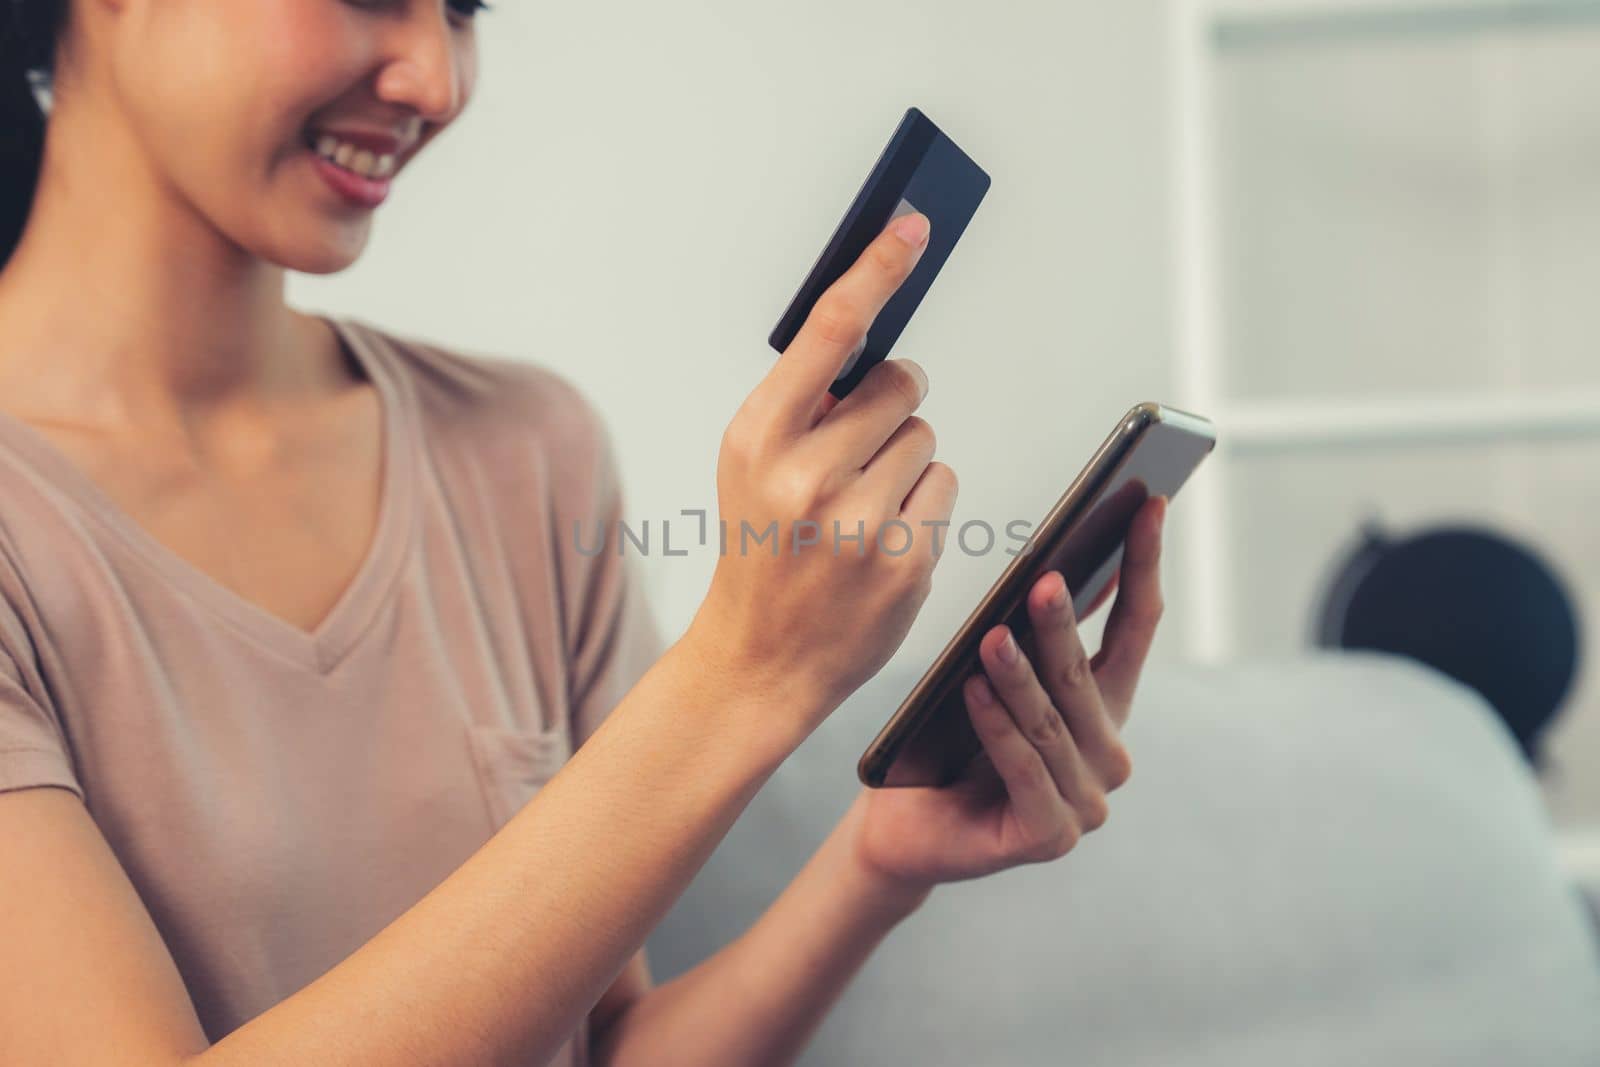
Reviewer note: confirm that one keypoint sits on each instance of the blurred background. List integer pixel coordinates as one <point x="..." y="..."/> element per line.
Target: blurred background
<point x="1364" y="237"/>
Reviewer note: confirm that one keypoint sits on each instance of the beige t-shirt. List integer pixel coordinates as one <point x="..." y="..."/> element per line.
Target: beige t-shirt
<point x="278" y="796"/>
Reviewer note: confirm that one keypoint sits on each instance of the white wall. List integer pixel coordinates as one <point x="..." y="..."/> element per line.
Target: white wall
<point x="635" y="194"/>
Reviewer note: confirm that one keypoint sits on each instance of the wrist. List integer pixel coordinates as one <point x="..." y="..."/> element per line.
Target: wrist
<point x="885" y="896"/>
<point x="881" y="891"/>
<point x="756" y="697"/>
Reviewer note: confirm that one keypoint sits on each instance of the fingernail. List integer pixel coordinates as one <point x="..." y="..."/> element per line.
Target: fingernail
<point x="922" y="378"/>
<point x="912" y="229"/>
<point x="1058" y="599"/>
<point x="981" y="691"/>
<point x="1008" y="650"/>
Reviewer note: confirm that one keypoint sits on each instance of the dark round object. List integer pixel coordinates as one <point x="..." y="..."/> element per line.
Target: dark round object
<point x="1470" y="603"/>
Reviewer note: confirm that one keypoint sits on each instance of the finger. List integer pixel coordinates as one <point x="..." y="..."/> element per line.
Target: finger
<point x="1068" y="678"/>
<point x="827" y="404"/>
<point x="1040" y="809"/>
<point x="1040" y="722"/>
<point x="792" y="389"/>
<point x="929" y="505"/>
<point x="898" y="466"/>
<point x="1105" y="594"/>
<point x="860" y="424"/>
<point x="1131" y="626"/>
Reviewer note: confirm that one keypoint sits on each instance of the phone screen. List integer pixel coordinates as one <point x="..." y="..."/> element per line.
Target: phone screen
<point x="1092" y="552"/>
<point x="1086" y="547"/>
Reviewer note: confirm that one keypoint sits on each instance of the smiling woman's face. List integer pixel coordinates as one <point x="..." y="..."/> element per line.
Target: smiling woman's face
<point x="228" y="102"/>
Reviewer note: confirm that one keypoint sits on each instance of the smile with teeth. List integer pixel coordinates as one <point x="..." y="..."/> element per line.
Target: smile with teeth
<point x="360" y="161"/>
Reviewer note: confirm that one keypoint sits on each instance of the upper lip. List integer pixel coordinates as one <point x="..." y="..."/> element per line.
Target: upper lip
<point x="383" y="144"/>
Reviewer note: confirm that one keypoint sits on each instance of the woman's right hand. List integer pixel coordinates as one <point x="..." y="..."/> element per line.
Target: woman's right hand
<point x="800" y="612"/>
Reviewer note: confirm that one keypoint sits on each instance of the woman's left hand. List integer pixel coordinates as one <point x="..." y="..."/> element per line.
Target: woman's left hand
<point x="1050" y="724"/>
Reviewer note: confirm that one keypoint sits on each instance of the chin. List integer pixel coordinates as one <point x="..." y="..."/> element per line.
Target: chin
<point x="320" y="247"/>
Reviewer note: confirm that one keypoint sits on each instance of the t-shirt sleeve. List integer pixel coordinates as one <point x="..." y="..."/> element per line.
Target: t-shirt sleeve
<point x="33" y="748"/>
<point x="616" y="638"/>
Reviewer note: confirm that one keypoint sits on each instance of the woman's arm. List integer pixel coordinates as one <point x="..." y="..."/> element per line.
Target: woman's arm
<point x="499" y="964"/>
<point x="528" y="946"/>
<point x="759" y="999"/>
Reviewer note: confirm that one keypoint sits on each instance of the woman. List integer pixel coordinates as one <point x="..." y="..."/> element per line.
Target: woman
<point x="292" y="643"/>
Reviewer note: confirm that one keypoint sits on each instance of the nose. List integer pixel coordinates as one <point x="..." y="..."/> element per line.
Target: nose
<point x="427" y="65"/>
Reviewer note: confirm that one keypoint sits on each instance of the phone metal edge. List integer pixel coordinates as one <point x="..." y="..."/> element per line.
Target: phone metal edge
<point x="872" y="768"/>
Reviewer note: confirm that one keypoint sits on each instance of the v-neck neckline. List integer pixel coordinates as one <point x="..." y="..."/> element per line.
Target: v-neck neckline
<point x="319" y="649"/>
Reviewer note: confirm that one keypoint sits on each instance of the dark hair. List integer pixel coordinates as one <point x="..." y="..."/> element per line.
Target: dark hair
<point x="28" y="32"/>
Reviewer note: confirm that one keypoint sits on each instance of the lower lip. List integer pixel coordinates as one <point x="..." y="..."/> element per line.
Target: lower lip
<point x="363" y="192"/>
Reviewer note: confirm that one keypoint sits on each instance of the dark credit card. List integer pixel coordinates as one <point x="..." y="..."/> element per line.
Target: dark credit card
<point x="920" y="170"/>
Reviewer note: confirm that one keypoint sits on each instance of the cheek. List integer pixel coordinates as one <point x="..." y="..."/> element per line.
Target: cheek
<point x="254" y="72"/>
<point x="309" y="58"/>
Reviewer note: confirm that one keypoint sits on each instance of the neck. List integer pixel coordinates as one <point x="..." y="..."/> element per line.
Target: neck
<point x="123" y="298"/>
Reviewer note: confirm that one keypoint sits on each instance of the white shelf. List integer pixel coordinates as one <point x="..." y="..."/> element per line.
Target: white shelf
<point x="1265" y="427"/>
<point x="1268" y="23"/>
<point x="1198" y="30"/>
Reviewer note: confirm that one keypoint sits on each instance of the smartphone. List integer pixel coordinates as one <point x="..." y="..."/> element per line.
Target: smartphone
<point x="929" y="741"/>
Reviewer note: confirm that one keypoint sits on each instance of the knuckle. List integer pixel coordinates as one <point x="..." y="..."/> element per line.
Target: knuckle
<point x="837" y="322"/>
<point x="739" y="437"/>
<point x="738" y="454"/>
<point x="1094" y="811"/>
<point x="886" y="256"/>
<point x="1155" y="608"/>
<point x="1063" y="842"/>
<point x="902" y="380"/>
<point x="735" y="439"/>
<point x="1075" y="671"/>
<point x="1117" y="767"/>
<point x="948" y="473"/>
<point x="920" y="430"/>
<point x="1046" y="730"/>
<point x="1147" y="612"/>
